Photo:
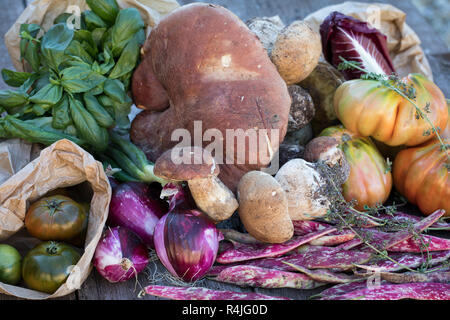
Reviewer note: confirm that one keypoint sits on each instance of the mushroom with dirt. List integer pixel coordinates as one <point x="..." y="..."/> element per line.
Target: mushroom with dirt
<point x="198" y="168"/>
<point x="263" y="208"/>
<point x="305" y="182"/>
<point x="295" y="50"/>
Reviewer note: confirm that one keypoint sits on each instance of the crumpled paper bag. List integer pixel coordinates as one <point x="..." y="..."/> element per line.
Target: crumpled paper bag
<point x="403" y="42"/>
<point x="61" y="165"/>
<point x="44" y="12"/>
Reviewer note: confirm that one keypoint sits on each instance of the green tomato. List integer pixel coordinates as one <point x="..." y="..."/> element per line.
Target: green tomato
<point x="47" y="266"/>
<point x="10" y="264"/>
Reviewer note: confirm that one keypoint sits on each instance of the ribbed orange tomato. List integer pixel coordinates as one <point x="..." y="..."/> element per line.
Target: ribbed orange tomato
<point x="422" y="176"/>
<point x="370" y="109"/>
<point x="370" y="181"/>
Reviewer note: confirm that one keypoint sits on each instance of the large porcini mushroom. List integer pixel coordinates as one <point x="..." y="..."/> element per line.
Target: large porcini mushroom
<point x="210" y="70"/>
<point x="198" y="168"/>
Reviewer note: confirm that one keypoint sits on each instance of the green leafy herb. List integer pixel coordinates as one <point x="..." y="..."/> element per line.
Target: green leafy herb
<point x="15" y="78"/>
<point x="128" y="23"/>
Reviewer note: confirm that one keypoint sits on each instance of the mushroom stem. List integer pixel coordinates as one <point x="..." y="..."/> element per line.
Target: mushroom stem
<point x="213" y="198"/>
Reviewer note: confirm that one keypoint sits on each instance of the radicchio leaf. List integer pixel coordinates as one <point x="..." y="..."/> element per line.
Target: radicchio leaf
<point x="354" y="40"/>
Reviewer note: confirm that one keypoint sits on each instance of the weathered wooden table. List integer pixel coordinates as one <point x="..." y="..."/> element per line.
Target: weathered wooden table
<point x="96" y="288"/>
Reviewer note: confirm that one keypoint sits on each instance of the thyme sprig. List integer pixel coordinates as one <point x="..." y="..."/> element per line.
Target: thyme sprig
<point x="408" y="92"/>
<point x="344" y="215"/>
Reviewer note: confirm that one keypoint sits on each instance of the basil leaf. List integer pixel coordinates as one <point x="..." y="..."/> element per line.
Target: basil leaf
<point x="30" y="28"/>
<point x="87" y="127"/>
<point x="102" y="116"/>
<point x="80" y="79"/>
<point x="107" y="103"/>
<point x="54" y="43"/>
<point x="62" y="18"/>
<point x="97" y="35"/>
<point x="75" y="49"/>
<point x="15" y="78"/>
<point x="9" y="99"/>
<point x="32" y="55"/>
<point x="49" y="95"/>
<point x="40" y="109"/>
<point x="29" y="83"/>
<point x="105" y="9"/>
<point x="87" y="41"/>
<point x="128" y="22"/>
<point x="42" y="80"/>
<point x="35" y="134"/>
<point x="29" y="48"/>
<point x="97" y="90"/>
<point x="61" y="114"/>
<point x="115" y="90"/>
<point x="108" y="61"/>
<point x="71" y="130"/>
<point x="93" y="21"/>
<point x="128" y="59"/>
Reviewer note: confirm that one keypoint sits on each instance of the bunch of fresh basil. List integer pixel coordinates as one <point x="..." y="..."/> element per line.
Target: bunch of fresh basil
<point x="79" y="79"/>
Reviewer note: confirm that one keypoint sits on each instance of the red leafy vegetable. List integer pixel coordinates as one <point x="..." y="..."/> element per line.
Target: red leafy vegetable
<point x="197" y="293"/>
<point x="243" y="252"/>
<point x="416" y="291"/>
<point x="354" y="40"/>
<point x="251" y="276"/>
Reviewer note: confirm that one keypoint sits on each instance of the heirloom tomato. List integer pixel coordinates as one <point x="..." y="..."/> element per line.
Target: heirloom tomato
<point x="57" y="218"/>
<point x="10" y="264"/>
<point x="46" y="267"/>
<point x="421" y="174"/>
<point x="368" y="108"/>
<point x="370" y="180"/>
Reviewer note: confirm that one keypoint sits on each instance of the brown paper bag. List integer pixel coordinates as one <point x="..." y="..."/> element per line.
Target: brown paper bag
<point x="63" y="164"/>
<point x="44" y="12"/>
<point x="403" y="42"/>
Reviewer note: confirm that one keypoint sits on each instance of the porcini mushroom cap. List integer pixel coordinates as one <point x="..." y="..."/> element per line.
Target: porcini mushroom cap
<point x="186" y="163"/>
<point x="319" y="147"/>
